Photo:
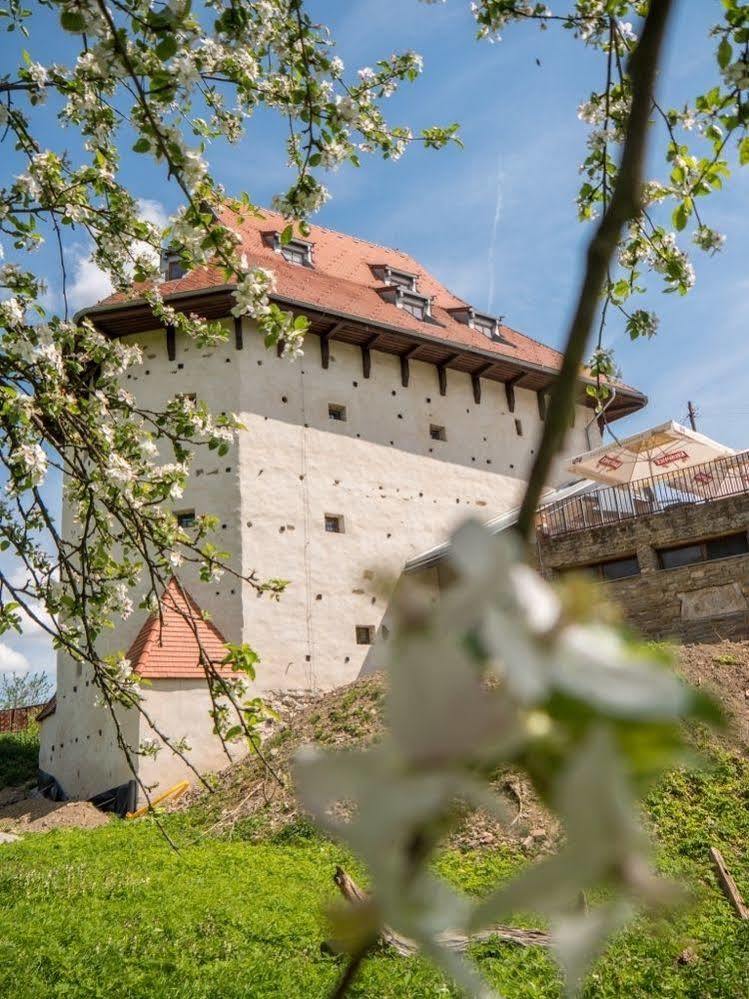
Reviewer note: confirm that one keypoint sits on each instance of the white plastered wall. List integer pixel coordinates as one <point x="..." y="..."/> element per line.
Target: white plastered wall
<point x="398" y="491"/>
<point x="182" y="708"/>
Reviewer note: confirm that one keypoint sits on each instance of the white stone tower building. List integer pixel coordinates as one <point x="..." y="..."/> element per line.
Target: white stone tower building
<point x="409" y="411"/>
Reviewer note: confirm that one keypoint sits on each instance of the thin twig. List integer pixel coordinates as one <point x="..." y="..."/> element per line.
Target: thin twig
<point x="625" y="204"/>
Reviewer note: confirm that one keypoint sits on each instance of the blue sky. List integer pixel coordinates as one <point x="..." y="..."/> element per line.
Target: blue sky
<point x="495" y="221"/>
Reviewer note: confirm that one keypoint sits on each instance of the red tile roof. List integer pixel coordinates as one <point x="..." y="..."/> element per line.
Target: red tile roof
<point x="169" y="647"/>
<point x="342" y="281"/>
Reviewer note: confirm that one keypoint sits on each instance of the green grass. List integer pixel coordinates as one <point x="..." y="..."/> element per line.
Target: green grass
<point x="19" y="755"/>
<point x="114" y="912"/>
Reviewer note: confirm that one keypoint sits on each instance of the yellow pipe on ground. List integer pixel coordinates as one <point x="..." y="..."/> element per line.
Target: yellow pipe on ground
<point x="173" y="792"/>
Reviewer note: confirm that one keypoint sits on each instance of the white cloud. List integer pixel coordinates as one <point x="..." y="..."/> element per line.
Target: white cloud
<point x="152" y="211"/>
<point x="90" y="284"/>
<point x="12" y="661"/>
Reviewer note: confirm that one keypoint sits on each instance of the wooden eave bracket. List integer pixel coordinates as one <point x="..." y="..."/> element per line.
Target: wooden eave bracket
<point x="405" y="367"/>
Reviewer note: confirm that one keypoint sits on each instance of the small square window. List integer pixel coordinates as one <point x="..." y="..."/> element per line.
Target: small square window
<point x="437" y="433"/>
<point x="336" y="412"/>
<point x="186" y="519"/>
<point x="334" y="523"/>
<point x="364" y="634"/>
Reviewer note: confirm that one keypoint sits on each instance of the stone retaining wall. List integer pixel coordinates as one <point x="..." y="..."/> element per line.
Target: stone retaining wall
<point x="707" y="601"/>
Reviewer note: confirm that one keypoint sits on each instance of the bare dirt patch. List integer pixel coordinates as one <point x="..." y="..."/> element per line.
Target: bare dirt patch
<point x="41" y="815"/>
<point x="723" y="671"/>
<point x="347" y="717"/>
<point x="246" y="796"/>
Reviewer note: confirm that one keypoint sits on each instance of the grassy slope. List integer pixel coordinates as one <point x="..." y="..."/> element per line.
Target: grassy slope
<point x="19" y="756"/>
<point x="113" y="912"/>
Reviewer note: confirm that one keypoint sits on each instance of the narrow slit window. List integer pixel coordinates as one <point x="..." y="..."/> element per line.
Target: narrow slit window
<point x="519" y="428"/>
<point x="334" y="523"/>
<point x="186" y="519"/>
<point x="617" y="568"/>
<point x="704" y="551"/>
<point x="437" y="433"/>
<point x="336" y="412"/>
<point x="364" y="634"/>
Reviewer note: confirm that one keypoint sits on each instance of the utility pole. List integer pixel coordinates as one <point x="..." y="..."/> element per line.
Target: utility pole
<point x="692" y="414"/>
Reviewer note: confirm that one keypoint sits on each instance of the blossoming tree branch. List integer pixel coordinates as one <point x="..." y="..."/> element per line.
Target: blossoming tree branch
<point x="587" y="715"/>
<point x="153" y="79"/>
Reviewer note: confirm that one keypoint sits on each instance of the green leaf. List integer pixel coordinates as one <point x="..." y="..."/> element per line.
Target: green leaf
<point x="73" y="21"/>
<point x="166" y="47"/>
<point x="681" y="215"/>
<point x="142" y="145"/>
<point x="725" y="52"/>
<point x="287" y="235"/>
<point x="744" y="151"/>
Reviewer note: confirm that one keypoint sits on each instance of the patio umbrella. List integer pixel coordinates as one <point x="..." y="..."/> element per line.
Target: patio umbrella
<point x="669" y="451"/>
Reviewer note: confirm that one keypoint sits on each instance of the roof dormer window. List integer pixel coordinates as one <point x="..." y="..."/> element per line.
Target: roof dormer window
<point x="415" y="305"/>
<point x="418" y="306"/>
<point x="395" y="278"/>
<point x="171" y="266"/>
<point x="486" y="324"/>
<point x="294" y="251"/>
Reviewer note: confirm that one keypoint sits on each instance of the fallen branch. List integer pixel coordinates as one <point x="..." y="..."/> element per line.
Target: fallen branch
<point x="455" y="941"/>
<point x="728" y="885"/>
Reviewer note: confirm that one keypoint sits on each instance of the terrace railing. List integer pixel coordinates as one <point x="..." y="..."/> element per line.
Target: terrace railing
<point x="717" y="479"/>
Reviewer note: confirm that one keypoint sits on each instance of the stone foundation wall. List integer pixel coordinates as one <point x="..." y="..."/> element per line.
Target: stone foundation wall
<point x="707" y="601"/>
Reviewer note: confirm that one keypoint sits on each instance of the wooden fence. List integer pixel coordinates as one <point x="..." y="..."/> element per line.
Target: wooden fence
<point x="18" y="719"/>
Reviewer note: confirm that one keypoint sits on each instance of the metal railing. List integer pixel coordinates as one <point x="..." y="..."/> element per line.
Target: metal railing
<point x="717" y="479"/>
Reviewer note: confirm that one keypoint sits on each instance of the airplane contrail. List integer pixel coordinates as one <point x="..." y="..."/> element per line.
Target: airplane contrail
<point x="494" y="231"/>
